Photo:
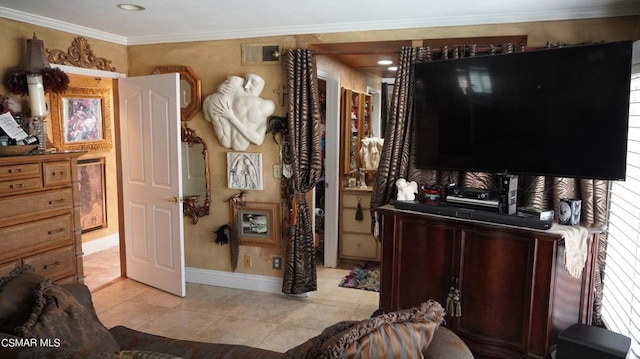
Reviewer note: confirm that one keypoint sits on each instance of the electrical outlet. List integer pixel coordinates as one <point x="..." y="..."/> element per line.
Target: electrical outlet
<point x="277" y="262"/>
<point x="247" y="261"/>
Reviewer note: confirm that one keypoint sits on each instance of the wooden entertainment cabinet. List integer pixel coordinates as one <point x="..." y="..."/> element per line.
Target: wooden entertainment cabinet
<point x="515" y="294"/>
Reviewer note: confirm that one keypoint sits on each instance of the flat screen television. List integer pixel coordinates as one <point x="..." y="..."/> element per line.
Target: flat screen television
<point x="559" y="112"/>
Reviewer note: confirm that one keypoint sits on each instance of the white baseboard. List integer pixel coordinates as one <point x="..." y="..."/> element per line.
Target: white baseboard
<point x="259" y="283"/>
<point x="100" y="244"/>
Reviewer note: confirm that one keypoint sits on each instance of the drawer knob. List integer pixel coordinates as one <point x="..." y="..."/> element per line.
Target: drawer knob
<point x="59" y="173"/>
<point x="56" y="201"/>
<point x="52" y="265"/>
<point x="15" y="170"/>
<point x="54" y="231"/>
<point x="16" y="185"/>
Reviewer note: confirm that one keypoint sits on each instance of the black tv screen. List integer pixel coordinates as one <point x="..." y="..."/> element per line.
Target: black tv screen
<point x="559" y="112"/>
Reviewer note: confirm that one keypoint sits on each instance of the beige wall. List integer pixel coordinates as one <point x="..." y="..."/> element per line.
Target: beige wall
<point x="13" y="38"/>
<point x="213" y="61"/>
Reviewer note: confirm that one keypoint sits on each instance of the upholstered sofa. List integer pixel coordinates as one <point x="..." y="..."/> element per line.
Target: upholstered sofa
<point x="41" y="319"/>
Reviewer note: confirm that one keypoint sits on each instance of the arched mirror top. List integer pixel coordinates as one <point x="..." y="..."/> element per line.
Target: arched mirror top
<point x="197" y="198"/>
<point x="190" y="89"/>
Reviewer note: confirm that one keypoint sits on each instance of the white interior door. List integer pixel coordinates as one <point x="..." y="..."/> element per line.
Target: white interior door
<point x="152" y="181"/>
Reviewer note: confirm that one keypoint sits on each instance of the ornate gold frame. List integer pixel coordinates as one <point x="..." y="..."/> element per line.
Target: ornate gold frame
<point x="58" y="118"/>
<point x="191" y="205"/>
<point x="195" y="88"/>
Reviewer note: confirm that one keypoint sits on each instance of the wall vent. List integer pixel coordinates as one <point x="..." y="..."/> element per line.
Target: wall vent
<point x="253" y="54"/>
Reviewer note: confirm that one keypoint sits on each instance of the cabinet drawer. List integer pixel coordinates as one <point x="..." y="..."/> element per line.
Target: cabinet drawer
<point x="28" y="237"/>
<point x="32" y="203"/>
<point x="11" y="172"/>
<point x="56" y="173"/>
<point x="53" y="264"/>
<point x="349" y="223"/>
<point x="361" y="246"/>
<point x="20" y="185"/>
<point x="8" y="266"/>
<point x="351" y="200"/>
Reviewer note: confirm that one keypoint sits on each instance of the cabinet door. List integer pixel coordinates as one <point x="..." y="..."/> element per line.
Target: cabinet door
<point x="424" y="252"/>
<point x="495" y="289"/>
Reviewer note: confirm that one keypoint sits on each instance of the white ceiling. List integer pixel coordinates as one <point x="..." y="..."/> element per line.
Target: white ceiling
<point x="194" y="20"/>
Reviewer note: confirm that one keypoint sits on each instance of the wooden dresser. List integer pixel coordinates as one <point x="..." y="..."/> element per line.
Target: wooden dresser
<point x="515" y="293"/>
<point x="39" y="215"/>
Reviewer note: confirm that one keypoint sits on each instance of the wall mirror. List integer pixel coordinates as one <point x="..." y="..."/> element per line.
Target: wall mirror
<point x="195" y="175"/>
<point x="190" y="89"/>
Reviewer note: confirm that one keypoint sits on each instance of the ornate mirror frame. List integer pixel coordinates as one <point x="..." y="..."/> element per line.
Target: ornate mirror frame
<point x="191" y="205"/>
<point x="189" y="77"/>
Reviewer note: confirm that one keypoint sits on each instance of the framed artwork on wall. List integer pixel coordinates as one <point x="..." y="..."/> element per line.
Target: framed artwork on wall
<point x="244" y="170"/>
<point x="93" y="209"/>
<point x="257" y="223"/>
<point x="80" y="119"/>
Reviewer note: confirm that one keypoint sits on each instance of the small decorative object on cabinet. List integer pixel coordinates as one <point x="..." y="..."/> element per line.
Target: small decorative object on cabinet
<point x="514" y="294"/>
<point x="39" y="215"/>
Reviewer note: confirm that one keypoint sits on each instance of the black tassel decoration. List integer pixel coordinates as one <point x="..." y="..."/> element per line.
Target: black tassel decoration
<point x="221" y="235"/>
<point x="235" y="247"/>
<point x="359" y="215"/>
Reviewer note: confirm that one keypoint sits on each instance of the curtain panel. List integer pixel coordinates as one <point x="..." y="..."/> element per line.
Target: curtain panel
<point x="305" y="153"/>
<point x="397" y="157"/>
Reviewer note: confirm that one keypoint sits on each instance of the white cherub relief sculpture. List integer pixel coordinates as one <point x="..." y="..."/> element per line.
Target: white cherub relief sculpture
<point x="406" y="190"/>
<point x="237" y="113"/>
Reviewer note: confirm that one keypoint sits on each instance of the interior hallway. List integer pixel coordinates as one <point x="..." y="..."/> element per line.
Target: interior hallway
<point x="223" y="315"/>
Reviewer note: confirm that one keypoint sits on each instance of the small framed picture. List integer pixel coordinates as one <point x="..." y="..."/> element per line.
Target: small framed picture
<point x="93" y="209"/>
<point x="244" y="170"/>
<point x="257" y="223"/>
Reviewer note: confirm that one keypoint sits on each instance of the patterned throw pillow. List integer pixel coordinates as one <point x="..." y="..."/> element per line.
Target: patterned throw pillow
<point x="401" y="334"/>
<point x="59" y="318"/>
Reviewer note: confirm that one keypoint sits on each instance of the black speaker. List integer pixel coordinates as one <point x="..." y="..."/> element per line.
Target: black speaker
<point x="581" y="341"/>
<point x="508" y="194"/>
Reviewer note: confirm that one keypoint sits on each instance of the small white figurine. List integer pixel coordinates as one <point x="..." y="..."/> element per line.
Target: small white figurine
<point x="406" y="190"/>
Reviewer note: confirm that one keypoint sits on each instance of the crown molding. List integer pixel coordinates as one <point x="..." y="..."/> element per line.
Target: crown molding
<point x="436" y="21"/>
<point x="60" y="25"/>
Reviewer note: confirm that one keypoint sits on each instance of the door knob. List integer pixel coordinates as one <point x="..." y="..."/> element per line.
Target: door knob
<point x="173" y="199"/>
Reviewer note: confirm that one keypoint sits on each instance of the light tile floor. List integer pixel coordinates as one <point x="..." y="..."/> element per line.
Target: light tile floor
<point x="223" y="315"/>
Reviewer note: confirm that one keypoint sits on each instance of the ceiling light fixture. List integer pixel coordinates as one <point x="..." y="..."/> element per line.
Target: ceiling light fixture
<point x="130" y="7"/>
<point x="392" y="68"/>
<point x="385" y="62"/>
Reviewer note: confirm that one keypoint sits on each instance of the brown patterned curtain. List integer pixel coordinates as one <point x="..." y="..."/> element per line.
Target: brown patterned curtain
<point x="306" y="164"/>
<point x="396" y="160"/>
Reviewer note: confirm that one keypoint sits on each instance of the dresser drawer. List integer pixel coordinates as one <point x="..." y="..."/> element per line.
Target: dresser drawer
<point x="54" y="264"/>
<point x="20" y="185"/>
<point x="351" y="200"/>
<point x="32" y="236"/>
<point x="360" y="246"/>
<point x="34" y="203"/>
<point x="56" y="173"/>
<point x="11" y="172"/>
<point x="349" y="223"/>
<point x="8" y="266"/>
